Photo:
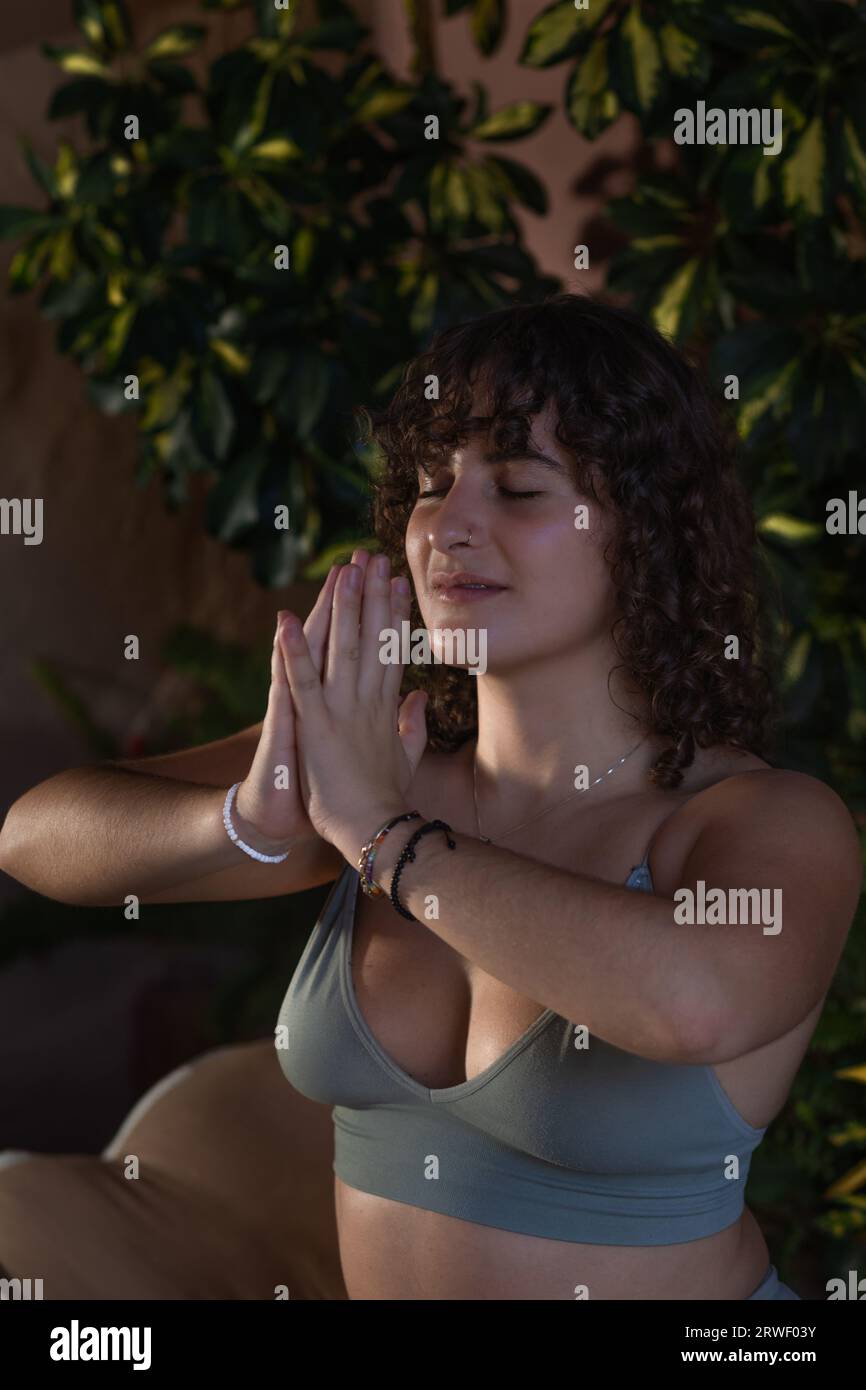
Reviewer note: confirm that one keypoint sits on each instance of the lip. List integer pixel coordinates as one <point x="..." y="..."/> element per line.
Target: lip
<point x="456" y="594"/>
<point x="450" y="587"/>
<point x="443" y="580"/>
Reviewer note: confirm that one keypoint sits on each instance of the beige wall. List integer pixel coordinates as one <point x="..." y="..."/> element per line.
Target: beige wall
<point x="113" y="560"/>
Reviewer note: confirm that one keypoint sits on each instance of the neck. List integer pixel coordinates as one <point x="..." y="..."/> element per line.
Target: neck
<point x="535" y="726"/>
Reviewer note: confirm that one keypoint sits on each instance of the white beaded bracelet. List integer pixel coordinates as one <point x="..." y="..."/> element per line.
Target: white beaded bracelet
<point x="233" y="834"/>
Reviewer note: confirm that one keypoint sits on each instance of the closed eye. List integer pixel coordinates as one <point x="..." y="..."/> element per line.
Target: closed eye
<point x="504" y="491"/>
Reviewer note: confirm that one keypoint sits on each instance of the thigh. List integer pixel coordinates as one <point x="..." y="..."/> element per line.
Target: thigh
<point x="234" y="1194"/>
<point x="235" y="1130"/>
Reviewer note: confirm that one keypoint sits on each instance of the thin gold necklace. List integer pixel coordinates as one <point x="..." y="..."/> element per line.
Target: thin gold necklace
<point x="485" y="839"/>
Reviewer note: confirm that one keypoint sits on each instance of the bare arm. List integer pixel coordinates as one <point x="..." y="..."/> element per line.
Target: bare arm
<point x="153" y="826"/>
<point x="644" y="971"/>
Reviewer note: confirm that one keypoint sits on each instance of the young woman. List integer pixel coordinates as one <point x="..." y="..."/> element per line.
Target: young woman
<point x="545" y="1083"/>
<point x="549" y="1056"/>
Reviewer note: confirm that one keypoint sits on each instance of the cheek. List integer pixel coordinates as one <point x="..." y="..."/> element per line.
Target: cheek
<point x="566" y="560"/>
<point x="548" y="537"/>
<point x="416" y="545"/>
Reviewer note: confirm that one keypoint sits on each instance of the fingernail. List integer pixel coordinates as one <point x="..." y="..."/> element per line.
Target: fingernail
<point x="354" y="578"/>
<point x="382" y="566"/>
<point x="401" y="584"/>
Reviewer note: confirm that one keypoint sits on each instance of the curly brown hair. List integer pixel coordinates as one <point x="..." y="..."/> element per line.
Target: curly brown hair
<point x="635" y="416"/>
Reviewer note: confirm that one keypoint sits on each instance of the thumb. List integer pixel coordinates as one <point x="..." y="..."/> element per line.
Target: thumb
<point x="412" y="726"/>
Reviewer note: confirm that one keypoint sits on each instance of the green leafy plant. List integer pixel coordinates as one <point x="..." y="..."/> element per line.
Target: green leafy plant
<point x="486" y="19"/>
<point x="238" y="282"/>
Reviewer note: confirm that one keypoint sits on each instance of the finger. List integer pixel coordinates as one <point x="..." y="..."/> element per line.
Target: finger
<point x="280" y="713"/>
<point x="412" y="713"/>
<point x="344" y="640"/>
<point x="303" y="678"/>
<point x="376" y="616"/>
<point x="277" y="741"/>
<point x="360" y="558"/>
<point x="275" y="749"/>
<point x="400" y="610"/>
<point x="412" y="726"/>
<point x="319" y="619"/>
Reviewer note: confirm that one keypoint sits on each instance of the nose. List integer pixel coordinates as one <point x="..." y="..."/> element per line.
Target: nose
<point x="458" y="518"/>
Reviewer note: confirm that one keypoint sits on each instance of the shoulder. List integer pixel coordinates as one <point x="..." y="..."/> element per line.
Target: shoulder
<point x="767" y="822"/>
<point x="789" y="800"/>
<point x="779" y="855"/>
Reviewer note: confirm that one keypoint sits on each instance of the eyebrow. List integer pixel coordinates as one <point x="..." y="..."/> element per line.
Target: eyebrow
<point x="510" y="455"/>
<point x="516" y="455"/>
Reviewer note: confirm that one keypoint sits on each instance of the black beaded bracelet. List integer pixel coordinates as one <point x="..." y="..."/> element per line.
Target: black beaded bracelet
<point x="408" y="853"/>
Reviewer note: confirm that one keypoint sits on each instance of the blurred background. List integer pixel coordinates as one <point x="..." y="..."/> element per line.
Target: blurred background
<point x="165" y="387"/>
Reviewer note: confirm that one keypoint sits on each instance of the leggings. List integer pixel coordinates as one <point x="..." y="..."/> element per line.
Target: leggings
<point x="771" y="1287"/>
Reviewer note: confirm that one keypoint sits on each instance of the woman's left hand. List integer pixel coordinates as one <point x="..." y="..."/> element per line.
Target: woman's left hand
<point x="357" y="752"/>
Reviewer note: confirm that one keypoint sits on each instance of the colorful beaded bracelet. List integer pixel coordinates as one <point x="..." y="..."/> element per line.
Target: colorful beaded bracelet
<point x="368" y="854"/>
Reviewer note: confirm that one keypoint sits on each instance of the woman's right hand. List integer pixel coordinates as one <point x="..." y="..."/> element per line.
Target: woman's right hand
<point x="271" y="817"/>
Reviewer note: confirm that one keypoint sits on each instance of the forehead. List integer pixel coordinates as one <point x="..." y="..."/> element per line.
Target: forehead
<point x="539" y="445"/>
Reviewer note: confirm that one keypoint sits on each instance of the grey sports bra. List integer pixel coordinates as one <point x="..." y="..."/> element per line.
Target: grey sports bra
<point x="586" y="1144"/>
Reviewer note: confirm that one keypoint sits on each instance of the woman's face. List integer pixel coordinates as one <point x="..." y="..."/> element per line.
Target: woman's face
<point x="556" y="595"/>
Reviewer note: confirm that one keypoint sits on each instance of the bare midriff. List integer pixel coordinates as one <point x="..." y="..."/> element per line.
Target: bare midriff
<point x="390" y="1250"/>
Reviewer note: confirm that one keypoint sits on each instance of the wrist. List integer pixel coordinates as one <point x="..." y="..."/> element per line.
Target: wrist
<point x="357" y="832"/>
<point x="389" y="851"/>
<point x="253" y="837"/>
<point x="432" y="845"/>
